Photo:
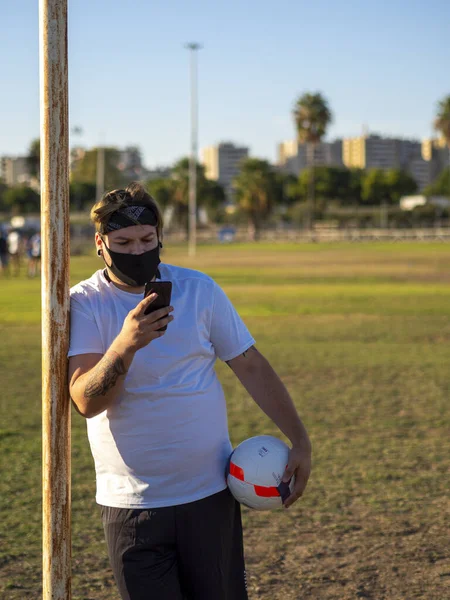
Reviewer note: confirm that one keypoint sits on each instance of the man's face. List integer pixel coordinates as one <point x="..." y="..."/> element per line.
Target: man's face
<point x="129" y="240"/>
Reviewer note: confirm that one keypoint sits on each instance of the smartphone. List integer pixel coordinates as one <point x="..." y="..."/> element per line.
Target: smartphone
<point x="164" y="291"/>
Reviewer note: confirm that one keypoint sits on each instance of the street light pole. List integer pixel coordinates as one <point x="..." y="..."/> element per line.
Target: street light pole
<point x="76" y="130"/>
<point x="192" y="222"/>
<point x="100" y="175"/>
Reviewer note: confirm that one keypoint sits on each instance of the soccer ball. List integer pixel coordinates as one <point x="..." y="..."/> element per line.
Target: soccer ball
<point x="254" y="472"/>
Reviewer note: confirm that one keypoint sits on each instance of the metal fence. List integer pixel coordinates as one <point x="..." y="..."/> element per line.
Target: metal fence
<point x="319" y="234"/>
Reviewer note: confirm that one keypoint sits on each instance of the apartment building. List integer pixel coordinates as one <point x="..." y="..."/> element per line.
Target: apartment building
<point x="14" y="171"/>
<point x="377" y="152"/>
<point x="222" y="163"/>
<point x="294" y="156"/>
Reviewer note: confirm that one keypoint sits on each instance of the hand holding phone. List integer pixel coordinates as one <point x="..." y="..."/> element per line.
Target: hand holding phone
<point x="163" y="289"/>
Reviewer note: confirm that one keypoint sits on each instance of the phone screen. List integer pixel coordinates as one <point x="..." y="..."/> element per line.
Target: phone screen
<point x="164" y="291"/>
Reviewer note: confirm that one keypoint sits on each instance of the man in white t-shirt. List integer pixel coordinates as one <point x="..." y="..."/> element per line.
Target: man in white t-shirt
<point x="156" y="412"/>
<point x="16" y="250"/>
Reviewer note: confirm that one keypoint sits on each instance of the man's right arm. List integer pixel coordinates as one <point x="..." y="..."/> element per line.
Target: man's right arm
<point x="96" y="380"/>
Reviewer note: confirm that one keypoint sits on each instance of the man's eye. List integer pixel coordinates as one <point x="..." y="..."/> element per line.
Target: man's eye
<point x="121" y="243"/>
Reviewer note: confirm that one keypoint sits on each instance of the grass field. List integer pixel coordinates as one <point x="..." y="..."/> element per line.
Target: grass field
<point x="360" y="335"/>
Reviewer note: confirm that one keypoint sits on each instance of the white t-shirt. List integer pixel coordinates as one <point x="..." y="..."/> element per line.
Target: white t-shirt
<point x="165" y="442"/>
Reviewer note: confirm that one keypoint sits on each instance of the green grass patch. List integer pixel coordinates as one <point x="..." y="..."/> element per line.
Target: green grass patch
<point x="359" y="333"/>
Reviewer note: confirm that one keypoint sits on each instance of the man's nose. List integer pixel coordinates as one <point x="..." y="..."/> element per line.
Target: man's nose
<point x="139" y="248"/>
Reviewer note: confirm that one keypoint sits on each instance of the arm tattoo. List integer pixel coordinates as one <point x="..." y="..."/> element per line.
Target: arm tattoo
<point x="244" y="354"/>
<point x="105" y="376"/>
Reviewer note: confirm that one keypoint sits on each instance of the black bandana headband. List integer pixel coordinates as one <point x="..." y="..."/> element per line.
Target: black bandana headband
<point x="129" y="216"/>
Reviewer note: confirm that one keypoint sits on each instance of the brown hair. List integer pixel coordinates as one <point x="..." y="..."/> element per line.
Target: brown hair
<point x="133" y="195"/>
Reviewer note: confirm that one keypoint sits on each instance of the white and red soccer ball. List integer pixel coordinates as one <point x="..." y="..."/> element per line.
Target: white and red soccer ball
<point x="255" y="470"/>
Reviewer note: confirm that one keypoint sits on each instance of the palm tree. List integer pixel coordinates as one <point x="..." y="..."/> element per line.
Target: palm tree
<point x="257" y="188"/>
<point x="442" y="124"/>
<point x="312" y="117"/>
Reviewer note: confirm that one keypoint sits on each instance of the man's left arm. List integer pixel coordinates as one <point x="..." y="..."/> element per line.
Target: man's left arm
<point x="268" y="391"/>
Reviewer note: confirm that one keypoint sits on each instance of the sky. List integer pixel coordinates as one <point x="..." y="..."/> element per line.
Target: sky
<point x="382" y="65"/>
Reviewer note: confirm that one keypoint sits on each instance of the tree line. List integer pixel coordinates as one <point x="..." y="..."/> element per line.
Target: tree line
<point x="261" y="193"/>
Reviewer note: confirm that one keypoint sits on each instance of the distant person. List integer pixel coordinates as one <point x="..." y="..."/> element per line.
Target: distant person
<point x="156" y="412"/>
<point x="34" y="260"/>
<point x="4" y="254"/>
<point x="16" y="251"/>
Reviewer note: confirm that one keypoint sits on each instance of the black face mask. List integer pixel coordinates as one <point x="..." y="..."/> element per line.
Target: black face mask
<point x="135" y="269"/>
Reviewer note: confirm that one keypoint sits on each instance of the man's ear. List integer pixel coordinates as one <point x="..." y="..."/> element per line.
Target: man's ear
<point x="98" y="244"/>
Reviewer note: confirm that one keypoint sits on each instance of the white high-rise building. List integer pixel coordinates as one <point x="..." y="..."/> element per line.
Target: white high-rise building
<point x="222" y="164"/>
<point x="294" y="156"/>
<point x="15" y="171"/>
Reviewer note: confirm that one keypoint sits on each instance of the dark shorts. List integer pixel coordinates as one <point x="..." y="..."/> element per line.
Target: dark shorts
<point x="192" y="551"/>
